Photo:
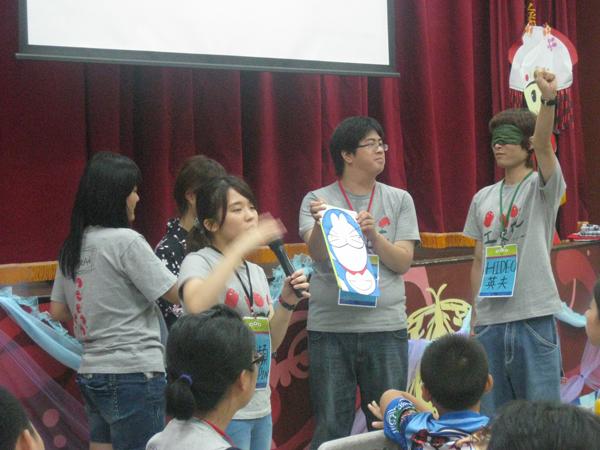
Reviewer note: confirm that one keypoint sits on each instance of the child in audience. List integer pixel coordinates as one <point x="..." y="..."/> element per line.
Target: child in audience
<point x="212" y="368"/>
<point x="592" y="317"/>
<point x="455" y="375"/>
<point x="526" y="425"/>
<point x="16" y="431"/>
<point x="228" y="229"/>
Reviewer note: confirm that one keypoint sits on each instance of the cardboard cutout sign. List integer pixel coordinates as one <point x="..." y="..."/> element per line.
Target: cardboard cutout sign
<point x="356" y="275"/>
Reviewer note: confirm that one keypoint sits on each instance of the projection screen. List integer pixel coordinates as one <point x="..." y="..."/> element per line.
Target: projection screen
<point x="322" y="36"/>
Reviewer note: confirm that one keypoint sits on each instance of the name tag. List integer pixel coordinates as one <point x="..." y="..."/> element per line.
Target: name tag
<point x="499" y="271"/>
<point x="262" y="333"/>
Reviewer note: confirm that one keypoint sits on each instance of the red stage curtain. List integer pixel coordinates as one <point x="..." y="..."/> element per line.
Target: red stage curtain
<point x="272" y="128"/>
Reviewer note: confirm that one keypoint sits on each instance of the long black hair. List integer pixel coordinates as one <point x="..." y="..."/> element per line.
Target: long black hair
<point x="206" y="353"/>
<point x="211" y="204"/>
<point x="107" y="181"/>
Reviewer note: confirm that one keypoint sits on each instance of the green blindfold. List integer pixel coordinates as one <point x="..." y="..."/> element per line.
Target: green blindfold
<point x="507" y="134"/>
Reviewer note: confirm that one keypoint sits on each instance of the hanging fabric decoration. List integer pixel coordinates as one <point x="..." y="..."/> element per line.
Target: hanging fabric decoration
<point x="547" y="48"/>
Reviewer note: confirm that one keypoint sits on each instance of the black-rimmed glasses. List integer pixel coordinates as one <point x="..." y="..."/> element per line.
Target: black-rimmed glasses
<point x="374" y="146"/>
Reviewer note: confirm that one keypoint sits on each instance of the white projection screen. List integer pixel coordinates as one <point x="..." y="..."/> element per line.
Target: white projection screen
<point x="354" y="37"/>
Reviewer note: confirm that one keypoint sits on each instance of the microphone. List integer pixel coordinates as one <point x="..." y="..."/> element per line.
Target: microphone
<point x="277" y="247"/>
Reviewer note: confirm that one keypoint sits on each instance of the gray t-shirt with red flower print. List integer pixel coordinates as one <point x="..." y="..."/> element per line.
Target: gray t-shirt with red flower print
<point x="396" y="219"/>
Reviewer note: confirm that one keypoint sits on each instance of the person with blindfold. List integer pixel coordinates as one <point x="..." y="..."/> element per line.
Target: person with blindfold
<point x="512" y="221"/>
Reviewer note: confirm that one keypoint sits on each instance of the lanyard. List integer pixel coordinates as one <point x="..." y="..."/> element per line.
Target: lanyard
<point x="505" y="220"/>
<point x="218" y="430"/>
<point x="343" y="191"/>
<point x="247" y="290"/>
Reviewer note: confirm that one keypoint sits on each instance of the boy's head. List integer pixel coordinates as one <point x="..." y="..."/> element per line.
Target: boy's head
<point x="524" y="425"/>
<point x="16" y="431"/>
<point x="512" y="130"/>
<point x="592" y="317"/>
<point x="348" y="137"/>
<point x="454" y="370"/>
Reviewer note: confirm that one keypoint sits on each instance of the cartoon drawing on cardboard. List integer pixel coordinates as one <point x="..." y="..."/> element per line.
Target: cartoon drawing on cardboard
<point x="348" y="253"/>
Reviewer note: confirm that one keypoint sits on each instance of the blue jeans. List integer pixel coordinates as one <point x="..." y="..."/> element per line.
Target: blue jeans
<point x="524" y="358"/>
<point x="251" y="434"/>
<point x="124" y="409"/>
<point x="338" y="362"/>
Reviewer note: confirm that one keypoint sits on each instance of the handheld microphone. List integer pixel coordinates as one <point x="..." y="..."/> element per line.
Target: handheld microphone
<point x="277" y="247"/>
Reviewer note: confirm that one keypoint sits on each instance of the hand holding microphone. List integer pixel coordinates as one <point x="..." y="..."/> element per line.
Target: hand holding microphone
<point x="296" y="281"/>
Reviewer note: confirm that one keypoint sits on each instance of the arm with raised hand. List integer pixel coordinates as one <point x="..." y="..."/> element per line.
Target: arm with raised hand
<point x="200" y="294"/>
<point x="544" y="125"/>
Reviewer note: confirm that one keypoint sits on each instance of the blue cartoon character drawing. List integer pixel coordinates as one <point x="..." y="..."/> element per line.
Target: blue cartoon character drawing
<point x="348" y="253"/>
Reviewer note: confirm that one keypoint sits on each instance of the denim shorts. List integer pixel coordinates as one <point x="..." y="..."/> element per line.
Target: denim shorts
<point x="126" y="409"/>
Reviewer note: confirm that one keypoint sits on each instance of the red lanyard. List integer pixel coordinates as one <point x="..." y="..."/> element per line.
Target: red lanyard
<point x="218" y="430"/>
<point x="343" y="191"/>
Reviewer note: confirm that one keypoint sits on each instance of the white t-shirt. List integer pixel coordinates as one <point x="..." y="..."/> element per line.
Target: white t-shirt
<point x="190" y="434"/>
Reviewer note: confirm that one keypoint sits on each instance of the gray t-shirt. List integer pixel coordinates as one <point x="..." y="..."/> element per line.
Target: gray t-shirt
<point x="395" y="217"/>
<point x="113" y="302"/>
<point x="200" y="264"/>
<point x="190" y="434"/>
<point x="531" y="227"/>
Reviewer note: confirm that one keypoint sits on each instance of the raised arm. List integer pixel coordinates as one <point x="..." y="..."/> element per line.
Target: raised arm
<point x="200" y="294"/>
<point x="544" y="125"/>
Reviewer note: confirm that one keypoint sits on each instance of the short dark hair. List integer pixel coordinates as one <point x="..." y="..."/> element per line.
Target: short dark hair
<point x="13" y="420"/>
<point x="347" y="136"/>
<point x="454" y="369"/>
<point x="196" y="171"/>
<point x="523" y="119"/>
<point x="107" y="180"/>
<point x="206" y="353"/>
<point x="214" y="206"/>
<point x="525" y="425"/>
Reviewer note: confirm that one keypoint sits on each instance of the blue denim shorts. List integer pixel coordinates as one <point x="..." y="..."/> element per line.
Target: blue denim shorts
<point x="126" y="409"/>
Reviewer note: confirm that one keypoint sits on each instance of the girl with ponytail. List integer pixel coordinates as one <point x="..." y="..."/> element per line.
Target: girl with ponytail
<point x="215" y="272"/>
<point x="212" y="370"/>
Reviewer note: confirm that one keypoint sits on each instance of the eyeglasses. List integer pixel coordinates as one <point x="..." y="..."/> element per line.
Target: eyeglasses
<point x="374" y="146"/>
<point x="258" y="359"/>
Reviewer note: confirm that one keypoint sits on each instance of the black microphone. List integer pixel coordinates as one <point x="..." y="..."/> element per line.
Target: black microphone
<point x="277" y="248"/>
